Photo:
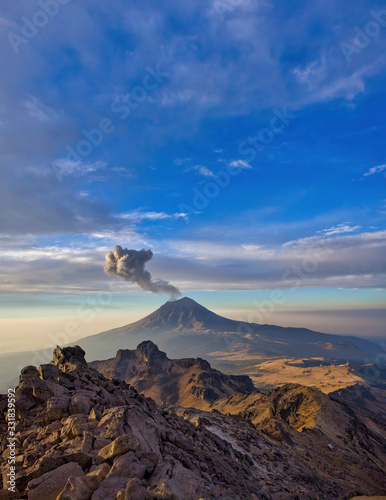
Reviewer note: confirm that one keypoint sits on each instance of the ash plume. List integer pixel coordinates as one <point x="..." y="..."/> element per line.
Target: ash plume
<point x="130" y="266"/>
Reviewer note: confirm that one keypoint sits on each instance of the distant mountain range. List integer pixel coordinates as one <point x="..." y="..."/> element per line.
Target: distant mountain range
<point x="185" y="328"/>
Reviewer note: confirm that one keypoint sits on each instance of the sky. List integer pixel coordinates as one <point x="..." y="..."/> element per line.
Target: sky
<point x="242" y="141"/>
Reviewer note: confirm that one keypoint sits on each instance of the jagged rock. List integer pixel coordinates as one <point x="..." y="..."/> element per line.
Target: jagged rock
<point x="75" y="425"/>
<point x="28" y="372"/>
<point x="70" y="359"/>
<point x="58" y="407"/>
<point x="100" y="442"/>
<point x="87" y="443"/>
<point x="125" y="467"/>
<point x="25" y="399"/>
<point x="82" y="487"/>
<point x="49" y="485"/>
<point x="150" y="452"/>
<point x="95" y="414"/>
<point x="134" y="491"/>
<point x="80" y="403"/>
<point x="150" y="460"/>
<point x="49" y="372"/>
<point x="185" y="382"/>
<point x="119" y="446"/>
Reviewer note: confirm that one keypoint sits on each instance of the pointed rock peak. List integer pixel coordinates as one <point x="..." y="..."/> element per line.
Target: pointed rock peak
<point x="69" y="358"/>
<point x="148" y="350"/>
<point x="185" y="307"/>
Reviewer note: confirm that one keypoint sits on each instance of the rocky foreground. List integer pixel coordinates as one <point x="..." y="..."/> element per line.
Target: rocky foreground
<point x="82" y="436"/>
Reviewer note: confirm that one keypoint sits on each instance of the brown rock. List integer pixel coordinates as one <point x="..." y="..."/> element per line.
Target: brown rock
<point x="125" y="467"/>
<point x="134" y="491"/>
<point x="58" y="407"/>
<point x="100" y="442"/>
<point x="87" y="442"/>
<point x="49" y="372"/>
<point x="150" y="460"/>
<point x="80" y="403"/>
<point x="121" y="445"/>
<point x="49" y="485"/>
<point x="75" y="489"/>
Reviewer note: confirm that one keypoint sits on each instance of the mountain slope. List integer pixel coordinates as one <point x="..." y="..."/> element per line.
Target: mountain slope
<point x="186" y="382"/>
<point x="184" y="327"/>
<point x="79" y="435"/>
<point x="333" y="435"/>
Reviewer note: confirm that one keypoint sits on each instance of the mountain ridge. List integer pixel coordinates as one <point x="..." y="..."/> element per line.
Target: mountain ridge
<point x="185" y="327"/>
<point x="81" y="435"/>
<point x="186" y="382"/>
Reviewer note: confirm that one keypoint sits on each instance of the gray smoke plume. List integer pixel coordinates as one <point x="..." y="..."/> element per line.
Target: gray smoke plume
<point x="130" y="266"/>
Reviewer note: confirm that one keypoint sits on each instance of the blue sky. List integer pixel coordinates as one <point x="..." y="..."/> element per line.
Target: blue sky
<point x="238" y="139"/>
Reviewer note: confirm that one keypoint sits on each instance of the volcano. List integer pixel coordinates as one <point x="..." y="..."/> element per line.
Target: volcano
<point x="185" y="328"/>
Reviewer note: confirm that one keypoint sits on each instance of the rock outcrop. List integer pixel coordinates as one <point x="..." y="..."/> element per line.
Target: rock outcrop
<point x="185" y="382"/>
<point x="80" y="436"/>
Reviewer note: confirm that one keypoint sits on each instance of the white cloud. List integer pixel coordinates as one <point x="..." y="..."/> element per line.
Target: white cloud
<point x="240" y="164"/>
<point x="339" y="229"/>
<point x="39" y="111"/>
<point x="202" y="170"/>
<point x="138" y="216"/>
<point x="63" y="167"/>
<point x="375" y="170"/>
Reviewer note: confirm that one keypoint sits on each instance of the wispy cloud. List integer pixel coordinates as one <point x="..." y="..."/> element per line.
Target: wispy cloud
<point x="65" y="167"/>
<point x="339" y="229"/>
<point x="375" y="170"/>
<point x="139" y="216"/>
<point x="202" y="170"/>
<point x="39" y="111"/>
<point x="240" y="164"/>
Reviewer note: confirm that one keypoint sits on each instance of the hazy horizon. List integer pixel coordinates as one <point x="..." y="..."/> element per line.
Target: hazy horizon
<point x="35" y="332"/>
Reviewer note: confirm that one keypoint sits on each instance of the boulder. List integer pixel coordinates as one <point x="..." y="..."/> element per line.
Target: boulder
<point x="134" y="491"/>
<point x="58" y="407"/>
<point x="49" y="372"/>
<point x="119" y="446"/>
<point x="28" y="372"/>
<point x="125" y="468"/>
<point x="80" y="403"/>
<point x="70" y="359"/>
<point x="100" y="442"/>
<point x="81" y="488"/>
<point x="49" y="485"/>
